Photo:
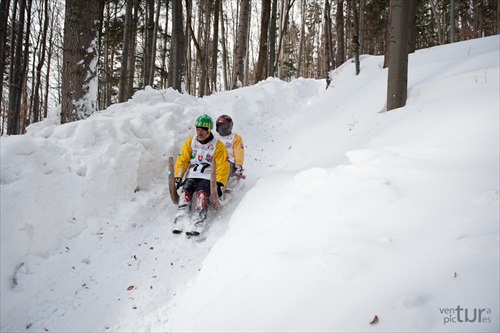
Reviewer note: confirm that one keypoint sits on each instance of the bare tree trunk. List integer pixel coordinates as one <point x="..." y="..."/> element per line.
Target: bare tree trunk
<point x="362" y="4"/>
<point x="301" y="40"/>
<point x="190" y="68"/>
<point x="241" y="48"/>
<point x="204" y="56"/>
<point x="355" y="35"/>
<point x="4" y="14"/>
<point x="124" y="69"/>
<point x="16" y="38"/>
<point x="340" y="34"/>
<point x="49" y="62"/>
<point x="271" y="71"/>
<point x="196" y="67"/>
<point x="387" y="35"/>
<point x="163" y="54"/>
<point x="247" y="55"/>
<point x="438" y="23"/>
<point x="398" y="58"/>
<point x="286" y="5"/>
<point x="155" y="43"/>
<point x="215" y="48"/>
<point x="452" y="21"/>
<point x="20" y="68"/>
<point x="176" y="72"/>
<point x="412" y="29"/>
<point x="224" y="52"/>
<point x="328" y="41"/>
<point x="38" y="77"/>
<point x="81" y="36"/>
<point x="149" y="37"/>
<point x="133" y="42"/>
<point x="260" y="72"/>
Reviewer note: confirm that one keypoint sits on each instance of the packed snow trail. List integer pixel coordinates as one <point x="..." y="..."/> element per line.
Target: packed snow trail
<point x="96" y="247"/>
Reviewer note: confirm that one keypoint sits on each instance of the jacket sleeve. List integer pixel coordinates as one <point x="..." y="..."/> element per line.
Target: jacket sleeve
<point x="222" y="165"/>
<point x="239" y="150"/>
<point x="183" y="159"/>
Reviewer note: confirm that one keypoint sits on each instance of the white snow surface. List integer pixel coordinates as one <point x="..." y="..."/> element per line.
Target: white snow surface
<point x="348" y="212"/>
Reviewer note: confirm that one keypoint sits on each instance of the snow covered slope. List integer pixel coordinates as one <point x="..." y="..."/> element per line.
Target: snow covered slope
<point x="348" y="212"/>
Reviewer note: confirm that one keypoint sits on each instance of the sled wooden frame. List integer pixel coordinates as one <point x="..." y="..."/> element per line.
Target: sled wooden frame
<point x="174" y="195"/>
<point x="214" y="197"/>
<point x="171" y="181"/>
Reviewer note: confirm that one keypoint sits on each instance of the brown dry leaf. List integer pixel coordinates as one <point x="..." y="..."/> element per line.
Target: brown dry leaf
<point x="130" y="288"/>
<point x="374" y="321"/>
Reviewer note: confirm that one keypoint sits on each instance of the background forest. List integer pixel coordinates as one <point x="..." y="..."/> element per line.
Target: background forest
<point x="75" y="57"/>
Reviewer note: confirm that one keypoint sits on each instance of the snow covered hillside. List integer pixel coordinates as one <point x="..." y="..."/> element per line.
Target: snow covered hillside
<point x="351" y="218"/>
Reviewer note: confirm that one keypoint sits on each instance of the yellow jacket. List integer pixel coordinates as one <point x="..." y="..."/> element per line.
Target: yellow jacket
<point x="239" y="150"/>
<point x="235" y="147"/>
<point x="195" y="158"/>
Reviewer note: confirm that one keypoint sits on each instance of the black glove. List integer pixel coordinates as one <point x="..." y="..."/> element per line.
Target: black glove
<point x="219" y="189"/>
<point x="238" y="171"/>
<point x="178" y="182"/>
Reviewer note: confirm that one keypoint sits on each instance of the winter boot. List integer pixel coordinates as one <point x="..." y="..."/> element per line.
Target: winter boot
<point x="180" y="220"/>
<point x="200" y="215"/>
<point x="198" y="224"/>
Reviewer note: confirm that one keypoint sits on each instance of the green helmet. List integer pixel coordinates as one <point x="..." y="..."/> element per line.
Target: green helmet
<point x="204" y="121"/>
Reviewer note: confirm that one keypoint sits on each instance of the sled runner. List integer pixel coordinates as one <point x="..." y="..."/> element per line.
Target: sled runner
<point x="214" y="197"/>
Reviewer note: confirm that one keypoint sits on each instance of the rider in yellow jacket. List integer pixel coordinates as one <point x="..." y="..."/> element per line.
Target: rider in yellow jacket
<point x="234" y="144"/>
<point x="194" y="162"/>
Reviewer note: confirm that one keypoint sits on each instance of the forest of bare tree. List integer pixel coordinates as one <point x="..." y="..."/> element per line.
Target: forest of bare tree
<point x="74" y="57"/>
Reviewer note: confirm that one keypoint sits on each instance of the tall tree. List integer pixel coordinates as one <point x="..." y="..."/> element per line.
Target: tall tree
<point x="215" y="49"/>
<point x="38" y="76"/>
<point x="362" y="4"/>
<point x="272" y="40"/>
<point x="452" y="21"/>
<point x="438" y="23"/>
<point x="260" y="71"/>
<point x="177" y="51"/>
<point x="123" y="94"/>
<point x="328" y="41"/>
<point x="4" y="14"/>
<point x="300" y="59"/>
<point x="241" y="47"/>
<point x="355" y="34"/>
<point x="412" y="29"/>
<point x="398" y="54"/>
<point x="154" y="46"/>
<point x="80" y="55"/>
<point x="224" y="51"/>
<point x="340" y="34"/>
<point x="133" y="45"/>
<point x="204" y="53"/>
<point x="286" y="5"/>
<point x="19" y="64"/>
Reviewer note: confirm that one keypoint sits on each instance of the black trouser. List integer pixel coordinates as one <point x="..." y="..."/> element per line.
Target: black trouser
<point x="202" y="189"/>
